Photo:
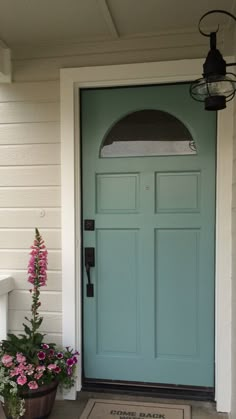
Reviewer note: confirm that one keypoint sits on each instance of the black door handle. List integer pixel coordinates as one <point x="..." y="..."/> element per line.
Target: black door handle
<point x="89" y="286"/>
<point x="89" y="262"/>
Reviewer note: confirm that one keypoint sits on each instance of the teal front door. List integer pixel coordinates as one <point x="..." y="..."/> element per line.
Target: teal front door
<point x="148" y="162"/>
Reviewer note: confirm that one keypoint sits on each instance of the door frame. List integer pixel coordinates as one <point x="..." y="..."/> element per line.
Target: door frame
<point x="71" y="81"/>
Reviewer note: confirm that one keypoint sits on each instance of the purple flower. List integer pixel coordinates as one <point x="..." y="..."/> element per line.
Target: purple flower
<point x="51" y="352"/>
<point x="41" y="355"/>
<point x="45" y="346"/>
<point x="60" y="355"/>
<point x="70" y="362"/>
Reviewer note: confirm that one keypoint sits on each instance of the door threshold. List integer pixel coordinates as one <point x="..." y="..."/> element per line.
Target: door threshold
<point x="150" y="389"/>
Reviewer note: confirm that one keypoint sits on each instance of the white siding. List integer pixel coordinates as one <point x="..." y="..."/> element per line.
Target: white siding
<point x="30" y="195"/>
<point x="30" y="175"/>
<point x="30" y="154"/>
<point x="29" y="133"/>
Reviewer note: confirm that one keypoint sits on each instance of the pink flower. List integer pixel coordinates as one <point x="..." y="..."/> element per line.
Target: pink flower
<point x="75" y="360"/>
<point x="41" y="355"/>
<point x="7" y="360"/>
<point x="14" y="372"/>
<point x="20" y="357"/>
<point x="21" y="380"/>
<point x="33" y="385"/>
<point x="30" y="371"/>
<point x="38" y="375"/>
<point x="57" y="370"/>
<point x="17" y="371"/>
<point x="40" y="368"/>
<point x="21" y="368"/>
<point x="38" y="262"/>
<point x="31" y="279"/>
<point x="52" y="367"/>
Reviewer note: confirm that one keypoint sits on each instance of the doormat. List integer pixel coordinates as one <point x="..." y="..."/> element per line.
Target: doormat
<point x="120" y="409"/>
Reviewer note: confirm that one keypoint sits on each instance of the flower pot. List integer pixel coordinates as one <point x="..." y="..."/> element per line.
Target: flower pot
<point x="38" y="403"/>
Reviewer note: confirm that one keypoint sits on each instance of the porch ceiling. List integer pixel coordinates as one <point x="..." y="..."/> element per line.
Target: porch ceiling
<point x="31" y="23"/>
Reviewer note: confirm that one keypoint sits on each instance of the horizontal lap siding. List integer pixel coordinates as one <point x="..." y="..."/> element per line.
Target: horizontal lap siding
<point x="30" y="154"/>
<point x="30" y="176"/>
<point x="52" y="321"/>
<point x="20" y="278"/>
<point x="22" y="238"/>
<point x="30" y="133"/>
<point x="30" y="195"/>
<point x="20" y="300"/>
<point x="30" y="217"/>
<point x="18" y="259"/>
<point x="20" y="112"/>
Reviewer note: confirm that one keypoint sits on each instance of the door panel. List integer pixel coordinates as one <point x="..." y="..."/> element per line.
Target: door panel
<point x="181" y="247"/>
<point x="177" y="192"/>
<point x="117" y="193"/>
<point x="152" y="315"/>
<point x="117" y="287"/>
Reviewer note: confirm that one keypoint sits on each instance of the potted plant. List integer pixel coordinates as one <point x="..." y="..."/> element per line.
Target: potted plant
<point x="30" y="368"/>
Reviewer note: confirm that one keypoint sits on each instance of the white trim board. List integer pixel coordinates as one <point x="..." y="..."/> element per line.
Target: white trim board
<point x="134" y="74"/>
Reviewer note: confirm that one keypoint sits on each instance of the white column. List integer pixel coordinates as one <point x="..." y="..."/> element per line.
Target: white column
<point x="6" y="286"/>
<point x="3" y="316"/>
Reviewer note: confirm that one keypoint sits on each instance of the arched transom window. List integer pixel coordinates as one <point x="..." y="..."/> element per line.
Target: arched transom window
<point x="147" y="133"/>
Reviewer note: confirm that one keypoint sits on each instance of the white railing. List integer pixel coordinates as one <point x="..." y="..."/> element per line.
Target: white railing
<point x="6" y="286"/>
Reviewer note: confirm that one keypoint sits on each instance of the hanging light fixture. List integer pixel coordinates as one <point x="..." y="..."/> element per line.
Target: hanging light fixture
<point x="217" y="86"/>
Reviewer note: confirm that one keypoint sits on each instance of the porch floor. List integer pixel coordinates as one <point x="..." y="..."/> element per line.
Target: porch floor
<point x="73" y="409"/>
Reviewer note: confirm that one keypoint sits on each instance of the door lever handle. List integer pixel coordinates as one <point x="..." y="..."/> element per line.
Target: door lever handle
<point x="89" y="262"/>
<point x="89" y="287"/>
<point x="87" y="267"/>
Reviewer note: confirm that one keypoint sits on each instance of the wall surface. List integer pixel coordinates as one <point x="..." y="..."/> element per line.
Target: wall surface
<point x="30" y="193"/>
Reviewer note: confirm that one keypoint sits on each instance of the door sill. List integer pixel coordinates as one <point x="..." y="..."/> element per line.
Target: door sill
<point x="150" y="389"/>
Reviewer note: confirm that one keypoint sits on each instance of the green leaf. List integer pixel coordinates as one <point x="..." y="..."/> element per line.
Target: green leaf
<point x="27" y="329"/>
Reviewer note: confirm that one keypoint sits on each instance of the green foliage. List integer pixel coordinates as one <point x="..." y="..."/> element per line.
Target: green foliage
<point x="28" y="343"/>
<point x="14" y="406"/>
<point x="26" y="362"/>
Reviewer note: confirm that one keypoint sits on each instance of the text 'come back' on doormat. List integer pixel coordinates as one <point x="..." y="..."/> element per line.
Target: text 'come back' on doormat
<point x="119" y="409"/>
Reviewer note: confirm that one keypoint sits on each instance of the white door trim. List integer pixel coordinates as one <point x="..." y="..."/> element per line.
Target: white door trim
<point x="134" y="74"/>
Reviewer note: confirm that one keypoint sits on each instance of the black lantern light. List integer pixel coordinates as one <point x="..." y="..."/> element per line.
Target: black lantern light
<point x="217" y="86"/>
